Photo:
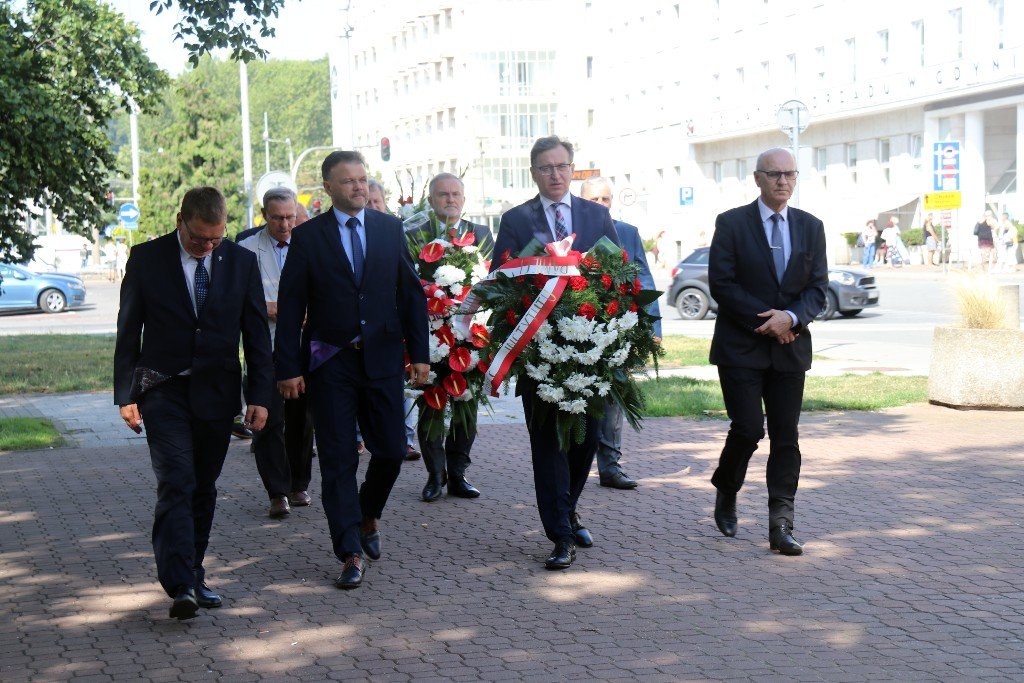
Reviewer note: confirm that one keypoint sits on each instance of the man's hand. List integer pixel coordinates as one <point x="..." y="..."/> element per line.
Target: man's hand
<point x="272" y="310"/>
<point x="787" y="337"/>
<point x="778" y="323"/>
<point x="132" y="418"/>
<point x="255" y="417"/>
<point x="657" y="340"/>
<point x="418" y="373"/>
<point x="291" y="388"/>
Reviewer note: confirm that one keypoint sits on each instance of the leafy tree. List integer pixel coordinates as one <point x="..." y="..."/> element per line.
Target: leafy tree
<point x="68" y="65"/>
<point x="210" y="24"/>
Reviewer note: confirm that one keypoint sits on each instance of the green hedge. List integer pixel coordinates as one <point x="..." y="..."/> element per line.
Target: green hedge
<point x="914" y="237"/>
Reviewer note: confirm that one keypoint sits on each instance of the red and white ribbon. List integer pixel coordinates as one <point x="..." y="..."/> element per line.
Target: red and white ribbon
<point x="558" y="267"/>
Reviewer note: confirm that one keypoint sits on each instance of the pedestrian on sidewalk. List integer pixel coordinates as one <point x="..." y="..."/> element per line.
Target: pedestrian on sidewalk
<point x="867" y="239"/>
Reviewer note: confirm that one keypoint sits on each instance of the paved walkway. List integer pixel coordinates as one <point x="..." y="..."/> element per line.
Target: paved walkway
<point x="915" y="553"/>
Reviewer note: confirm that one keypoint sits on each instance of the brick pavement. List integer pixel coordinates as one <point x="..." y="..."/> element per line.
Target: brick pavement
<point x="914" y="558"/>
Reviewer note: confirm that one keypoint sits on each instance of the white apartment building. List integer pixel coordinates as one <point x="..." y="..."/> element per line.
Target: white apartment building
<point x="674" y="100"/>
<point x="457" y="86"/>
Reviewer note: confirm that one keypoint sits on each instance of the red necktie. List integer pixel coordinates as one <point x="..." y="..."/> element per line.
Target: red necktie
<point x="282" y="245"/>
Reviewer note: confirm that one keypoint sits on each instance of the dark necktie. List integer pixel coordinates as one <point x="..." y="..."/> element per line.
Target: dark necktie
<point x="202" y="282"/>
<point x="282" y="245"/>
<point x="778" y="254"/>
<point x="357" y="250"/>
<point x="561" y="232"/>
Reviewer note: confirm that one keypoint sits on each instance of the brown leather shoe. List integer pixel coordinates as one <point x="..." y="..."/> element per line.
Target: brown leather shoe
<point x="279" y="507"/>
<point x="299" y="499"/>
<point x="411" y="453"/>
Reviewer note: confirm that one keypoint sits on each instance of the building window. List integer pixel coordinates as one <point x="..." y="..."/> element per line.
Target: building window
<point x="851" y="160"/>
<point x="440" y="120"/>
<point x="851" y="59"/>
<point x="917" y="41"/>
<point x="741" y="169"/>
<point x="766" y="74"/>
<point x="451" y="118"/>
<point x="590" y="118"/>
<point x="716" y="92"/>
<point x="716" y="171"/>
<point x="741" y="76"/>
<point x="883" y="46"/>
<point x="820" y="159"/>
<point x="999" y="15"/>
<point x="956" y="19"/>
<point x="590" y="67"/>
<point x="450" y="64"/>
<point x="884" y="154"/>
<point x="791" y="60"/>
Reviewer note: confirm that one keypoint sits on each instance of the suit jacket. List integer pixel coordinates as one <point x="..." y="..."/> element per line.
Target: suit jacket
<point x="265" y="246"/>
<point x="388" y="309"/>
<point x="157" y="327"/>
<point x="634" y="246"/>
<point x="520" y="224"/>
<point x="741" y="275"/>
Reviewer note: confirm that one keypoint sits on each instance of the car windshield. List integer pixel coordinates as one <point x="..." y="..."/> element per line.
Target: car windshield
<point x="698" y="257"/>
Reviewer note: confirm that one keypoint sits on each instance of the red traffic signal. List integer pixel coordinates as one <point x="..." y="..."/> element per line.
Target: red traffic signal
<point x="385" y="149"/>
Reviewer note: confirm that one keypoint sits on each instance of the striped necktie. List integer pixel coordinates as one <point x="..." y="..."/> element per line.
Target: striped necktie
<point x="561" y="232"/>
<point x="202" y="282"/>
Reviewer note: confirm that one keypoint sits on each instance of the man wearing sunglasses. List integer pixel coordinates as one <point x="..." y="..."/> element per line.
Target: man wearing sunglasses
<point x="186" y="299"/>
<point x="767" y="271"/>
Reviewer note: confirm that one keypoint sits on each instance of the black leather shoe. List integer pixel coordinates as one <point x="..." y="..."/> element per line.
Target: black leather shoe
<point x="352" y="575"/>
<point x="458" y="486"/>
<point x="206" y="598"/>
<point x="562" y="556"/>
<point x="435" y="487"/>
<point x="618" y="481"/>
<point x="370" y="542"/>
<point x="184" y="605"/>
<point x="781" y="538"/>
<point x="582" y="534"/>
<point x="725" y="513"/>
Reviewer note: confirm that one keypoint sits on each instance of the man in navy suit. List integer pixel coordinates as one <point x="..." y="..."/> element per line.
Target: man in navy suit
<point x="186" y="298"/>
<point x="558" y="476"/>
<point x="767" y="271"/>
<point x="609" y="448"/>
<point x="350" y="275"/>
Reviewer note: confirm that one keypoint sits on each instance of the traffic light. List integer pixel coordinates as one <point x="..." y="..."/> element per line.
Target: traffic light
<point x="385" y="149"/>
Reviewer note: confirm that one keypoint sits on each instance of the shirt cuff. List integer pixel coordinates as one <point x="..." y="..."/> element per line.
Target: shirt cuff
<point x="792" y="317"/>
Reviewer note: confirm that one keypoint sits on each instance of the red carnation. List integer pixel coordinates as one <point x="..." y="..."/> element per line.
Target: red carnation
<point x="540" y="280"/>
<point x="478" y="335"/>
<point x="432" y="252"/>
<point x="482" y="366"/>
<point x="588" y="311"/>
<point x="527" y="301"/>
<point x="510" y="317"/>
<point x="435" y="397"/>
<point x="454" y="384"/>
<point x="612" y="308"/>
<point x="637" y="287"/>
<point x="606" y="280"/>
<point x="624" y="288"/>
<point x="590" y="263"/>
<point x="445" y="335"/>
<point x="625" y="256"/>
<point x="578" y="283"/>
<point x="458" y="359"/>
<point x="633" y="307"/>
<point x="463" y="241"/>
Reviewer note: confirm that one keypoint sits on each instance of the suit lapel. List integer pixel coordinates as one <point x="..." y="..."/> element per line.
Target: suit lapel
<point x="760" y="239"/>
<point x="375" y="247"/>
<point x="220" y="262"/>
<point x="332" y="233"/>
<point x="541" y="230"/>
<point x="174" y="261"/>
<point x="578" y="221"/>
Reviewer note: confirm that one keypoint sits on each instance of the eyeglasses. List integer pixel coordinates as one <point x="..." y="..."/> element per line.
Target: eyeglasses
<point x="550" y="170"/>
<point x="775" y="175"/>
<point x="201" y="241"/>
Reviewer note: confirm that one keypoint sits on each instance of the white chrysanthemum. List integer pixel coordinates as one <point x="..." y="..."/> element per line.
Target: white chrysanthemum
<point x="549" y="351"/>
<point x="474" y="358"/>
<point x="478" y="273"/>
<point x="447" y="275"/>
<point x="543" y="332"/>
<point x="577" y="381"/>
<point x="465" y="395"/>
<point x="437" y="322"/>
<point x="589" y="357"/>
<point x="538" y="372"/>
<point x="551" y="394"/>
<point x="619" y="357"/>
<point x="438" y="350"/>
<point x="602" y="388"/>
<point x="431" y="377"/>
<point x="413" y="393"/>
<point x="576" y="328"/>
<point x="627" y="320"/>
<point x="440" y="241"/>
<point x="459" y="334"/>
<point x="471" y="249"/>
<point x="578" y="406"/>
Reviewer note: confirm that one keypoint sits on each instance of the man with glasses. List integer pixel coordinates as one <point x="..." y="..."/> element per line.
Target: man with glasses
<point x="186" y="299"/>
<point x="349" y="271"/>
<point x="553" y="215"/>
<point x="768" y="273"/>
<point x="284" y="449"/>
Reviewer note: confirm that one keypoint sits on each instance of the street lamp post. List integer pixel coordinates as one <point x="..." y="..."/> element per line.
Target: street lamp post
<point x="793" y="118"/>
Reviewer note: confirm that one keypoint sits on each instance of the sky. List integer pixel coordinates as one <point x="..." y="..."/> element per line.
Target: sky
<point x="305" y="29"/>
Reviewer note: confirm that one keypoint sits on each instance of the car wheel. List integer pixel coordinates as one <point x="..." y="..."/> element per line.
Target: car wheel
<point x="692" y="304"/>
<point x="831" y="305"/>
<point x="52" y="301"/>
<point x="853" y="312"/>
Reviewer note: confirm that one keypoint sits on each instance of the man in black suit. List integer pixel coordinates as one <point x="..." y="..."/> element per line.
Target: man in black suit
<point x="186" y="298"/>
<point x="558" y="476"/>
<point x="349" y="272"/>
<point x="447" y="458"/>
<point x="768" y="273"/>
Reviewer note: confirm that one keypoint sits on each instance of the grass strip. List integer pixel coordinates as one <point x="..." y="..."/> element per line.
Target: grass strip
<point x="56" y="363"/>
<point x="27" y="433"/>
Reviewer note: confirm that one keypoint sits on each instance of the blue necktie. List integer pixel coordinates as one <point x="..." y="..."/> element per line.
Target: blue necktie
<point x="778" y="254"/>
<point x="202" y="282"/>
<point x="561" y="232"/>
<point x="357" y="250"/>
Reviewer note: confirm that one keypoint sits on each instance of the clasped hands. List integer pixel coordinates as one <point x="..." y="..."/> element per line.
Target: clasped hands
<point x="779" y="326"/>
<point x="292" y="388"/>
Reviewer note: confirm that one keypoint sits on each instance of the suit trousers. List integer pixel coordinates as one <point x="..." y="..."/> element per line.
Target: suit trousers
<point x="284" y="448"/>
<point x="609" y="448"/>
<point x="743" y="390"/>
<point x="558" y="476"/>
<point x="187" y="453"/>
<point x="340" y="394"/>
<point x="446" y="453"/>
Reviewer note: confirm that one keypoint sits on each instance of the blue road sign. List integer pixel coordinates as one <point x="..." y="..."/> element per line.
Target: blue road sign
<point x="129" y="215"/>
<point x="946" y="166"/>
<point x="685" y="196"/>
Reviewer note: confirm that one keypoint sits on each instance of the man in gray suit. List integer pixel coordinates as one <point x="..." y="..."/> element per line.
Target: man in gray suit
<point x="284" y="449"/>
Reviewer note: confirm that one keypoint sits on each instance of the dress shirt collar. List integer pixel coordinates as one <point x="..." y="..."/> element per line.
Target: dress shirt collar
<point x="766" y="213"/>
<point x="546" y="203"/>
<point x="343" y="217"/>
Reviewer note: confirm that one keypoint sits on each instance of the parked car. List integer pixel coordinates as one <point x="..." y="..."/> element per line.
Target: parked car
<point x="850" y="290"/>
<point x="50" y="292"/>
